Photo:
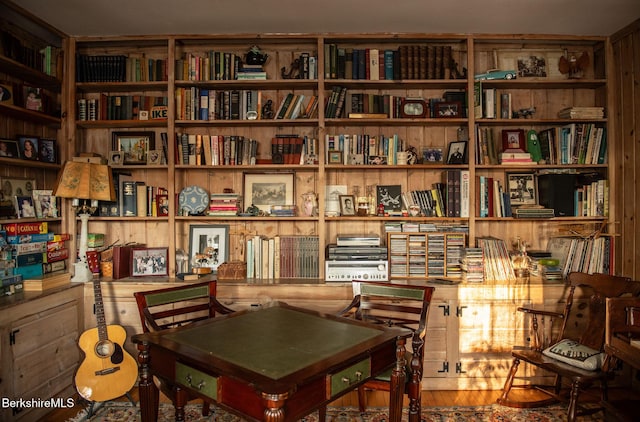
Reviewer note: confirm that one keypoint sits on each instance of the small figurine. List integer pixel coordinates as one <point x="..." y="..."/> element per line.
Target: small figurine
<point x="253" y="211"/>
<point x="524" y="112"/>
<point x="255" y="56"/>
<point x="267" y="110"/>
<point x="294" y="73"/>
<point x="573" y="66"/>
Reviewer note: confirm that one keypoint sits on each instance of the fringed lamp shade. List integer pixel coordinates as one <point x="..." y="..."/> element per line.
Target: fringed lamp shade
<point x="85" y="181"/>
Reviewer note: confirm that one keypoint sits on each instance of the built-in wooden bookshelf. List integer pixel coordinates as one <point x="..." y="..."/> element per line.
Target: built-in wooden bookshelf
<point x="192" y="74"/>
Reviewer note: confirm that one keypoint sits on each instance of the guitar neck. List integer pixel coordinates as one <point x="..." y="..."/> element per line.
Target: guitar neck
<point x="92" y="261"/>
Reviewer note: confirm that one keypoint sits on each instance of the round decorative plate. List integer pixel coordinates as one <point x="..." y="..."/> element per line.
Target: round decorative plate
<point x="193" y="199"/>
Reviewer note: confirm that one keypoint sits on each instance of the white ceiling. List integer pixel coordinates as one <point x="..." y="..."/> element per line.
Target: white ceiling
<point x="137" y="17"/>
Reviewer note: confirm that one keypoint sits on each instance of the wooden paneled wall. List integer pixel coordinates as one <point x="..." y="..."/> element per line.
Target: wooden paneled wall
<point x="625" y="86"/>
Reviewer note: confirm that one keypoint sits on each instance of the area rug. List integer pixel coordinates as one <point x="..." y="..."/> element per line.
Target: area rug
<point x="126" y="412"/>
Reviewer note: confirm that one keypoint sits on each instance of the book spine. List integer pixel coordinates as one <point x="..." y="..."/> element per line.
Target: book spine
<point x="18" y="229"/>
<point x="129" y="199"/>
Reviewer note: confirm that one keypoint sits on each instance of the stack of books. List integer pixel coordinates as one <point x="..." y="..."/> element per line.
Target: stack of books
<point x="515" y="158"/>
<point x="223" y="204"/>
<point x="251" y="72"/>
<point x="581" y="113"/>
<point x="533" y="212"/>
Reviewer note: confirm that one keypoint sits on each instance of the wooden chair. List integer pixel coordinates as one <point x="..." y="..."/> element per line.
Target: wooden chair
<point x="402" y="305"/>
<point x="176" y="306"/>
<point x="584" y="324"/>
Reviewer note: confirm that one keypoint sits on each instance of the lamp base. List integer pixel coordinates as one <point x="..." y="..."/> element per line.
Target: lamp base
<point x="82" y="273"/>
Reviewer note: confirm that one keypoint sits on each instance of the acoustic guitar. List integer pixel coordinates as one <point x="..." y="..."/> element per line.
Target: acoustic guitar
<point x="107" y="371"/>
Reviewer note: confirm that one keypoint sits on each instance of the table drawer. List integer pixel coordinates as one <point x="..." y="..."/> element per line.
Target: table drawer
<point x="344" y="379"/>
<point x="197" y="380"/>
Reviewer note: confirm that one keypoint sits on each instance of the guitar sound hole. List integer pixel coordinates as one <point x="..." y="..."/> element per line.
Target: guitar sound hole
<point x="105" y="348"/>
<point x="118" y="355"/>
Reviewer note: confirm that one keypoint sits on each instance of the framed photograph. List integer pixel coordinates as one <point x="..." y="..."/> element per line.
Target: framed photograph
<point x="263" y="190"/>
<point x="457" y="152"/>
<point x="154" y="156"/>
<point x="147" y="262"/>
<point x="24" y="205"/>
<point x="47" y="150"/>
<point x="335" y="157"/>
<point x="134" y="146"/>
<point x="44" y="203"/>
<point x="513" y="140"/>
<point x="448" y="109"/>
<point x="11" y="186"/>
<point x="530" y="63"/>
<point x="162" y="204"/>
<point x="33" y="98"/>
<point x="522" y="188"/>
<point x="347" y="205"/>
<point x="208" y="245"/>
<point x="28" y="147"/>
<point x="115" y="158"/>
<point x="432" y="155"/>
<point x="9" y="148"/>
<point x="6" y="93"/>
<point x="390" y="197"/>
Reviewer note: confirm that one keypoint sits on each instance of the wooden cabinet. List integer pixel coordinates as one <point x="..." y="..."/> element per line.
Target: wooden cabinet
<point x="39" y="351"/>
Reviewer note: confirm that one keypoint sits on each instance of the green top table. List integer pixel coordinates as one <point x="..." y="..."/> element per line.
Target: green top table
<point x="278" y="363"/>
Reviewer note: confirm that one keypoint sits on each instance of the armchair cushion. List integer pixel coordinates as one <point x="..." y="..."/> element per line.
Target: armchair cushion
<point x="575" y="354"/>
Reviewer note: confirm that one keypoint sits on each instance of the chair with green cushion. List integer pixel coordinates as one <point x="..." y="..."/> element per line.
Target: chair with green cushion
<point x="177" y="306"/>
<point x="568" y="345"/>
<point x="395" y="304"/>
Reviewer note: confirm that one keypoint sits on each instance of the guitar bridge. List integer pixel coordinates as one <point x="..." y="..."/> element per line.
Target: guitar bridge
<point x="108" y="371"/>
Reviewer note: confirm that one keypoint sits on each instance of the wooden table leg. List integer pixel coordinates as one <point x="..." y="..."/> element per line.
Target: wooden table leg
<point x="149" y="394"/>
<point x="274" y="406"/>
<point x="179" y="403"/>
<point x="415" y="383"/>
<point x="396" y="390"/>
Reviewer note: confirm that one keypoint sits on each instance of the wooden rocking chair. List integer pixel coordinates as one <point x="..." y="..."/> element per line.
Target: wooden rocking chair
<point x="576" y="358"/>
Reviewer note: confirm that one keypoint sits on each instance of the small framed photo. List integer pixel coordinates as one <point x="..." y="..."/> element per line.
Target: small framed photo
<point x="45" y="203"/>
<point x="263" y="190"/>
<point x="390" y="197"/>
<point x="347" y="205"/>
<point x="522" y="188"/>
<point x="134" y="146"/>
<point x="28" y="147"/>
<point x="24" y="205"/>
<point x="9" y="148"/>
<point x="448" y="109"/>
<point x="457" y="152"/>
<point x="335" y="157"/>
<point x="154" y="156"/>
<point x="162" y="204"/>
<point x="33" y="98"/>
<point x="208" y="245"/>
<point x="115" y="158"/>
<point x="377" y="160"/>
<point x="432" y="155"/>
<point x="48" y="150"/>
<point x="513" y="140"/>
<point x="12" y="186"/>
<point x="149" y="262"/>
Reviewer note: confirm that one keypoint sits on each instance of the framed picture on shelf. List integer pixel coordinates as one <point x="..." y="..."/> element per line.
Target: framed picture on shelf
<point x="531" y="63"/>
<point x="134" y="146"/>
<point x="44" y="203"/>
<point x="13" y="186"/>
<point x="149" y="262"/>
<point x="162" y="204"/>
<point x="513" y="140"/>
<point x="457" y="153"/>
<point x="28" y="147"/>
<point x="335" y="157"/>
<point x="347" y="205"/>
<point x="47" y="150"/>
<point x="115" y="158"/>
<point x="390" y="197"/>
<point x="154" y="157"/>
<point x="263" y="190"/>
<point x="208" y="245"/>
<point x="432" y="155"/>
<point x="448" y="109"/>
<point x="522" y="188"/>
<point x="9" y="148"/>
<point x="24" y="205"/>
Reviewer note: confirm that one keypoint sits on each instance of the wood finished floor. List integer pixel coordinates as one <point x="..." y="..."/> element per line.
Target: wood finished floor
<point x="377" y="398"/>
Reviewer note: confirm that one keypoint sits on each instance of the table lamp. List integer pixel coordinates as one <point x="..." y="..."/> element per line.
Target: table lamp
<point x="86" y="184"/>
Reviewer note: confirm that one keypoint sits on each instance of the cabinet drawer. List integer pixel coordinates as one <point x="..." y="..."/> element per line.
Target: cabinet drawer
<point x="197" y="380"/>
<point x="344" y="379"/>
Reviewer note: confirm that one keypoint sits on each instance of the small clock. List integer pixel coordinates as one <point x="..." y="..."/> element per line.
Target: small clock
<point x="411" y="108"/>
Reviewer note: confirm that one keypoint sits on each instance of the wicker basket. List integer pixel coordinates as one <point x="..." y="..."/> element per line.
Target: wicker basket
<point x="234" y="270"/>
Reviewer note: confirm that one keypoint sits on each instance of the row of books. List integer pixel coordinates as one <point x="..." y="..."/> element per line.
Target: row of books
<point x="575" y="143"/>
<point x="405" y="62"/>
<point x="47" y="59"/>
<point x="119" y="68"/>
<point x="362" y="149"/>
<point x="135" y="199"/>
<point x="412" y="227"/>
<point x="590" y="255"/>
<point x="497" y="264"/>
<point x="443" y="199"/>
<point x="122" y="107"/>
<point x="282" y="256"/>
<point x="295" y="106"/>
<point x="224" y="204"/>
<point x="228" y="65"/>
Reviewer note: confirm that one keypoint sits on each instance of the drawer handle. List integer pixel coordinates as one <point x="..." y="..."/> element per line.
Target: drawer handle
<point x="197" y="387"/>
<point x="348" y="381"/>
